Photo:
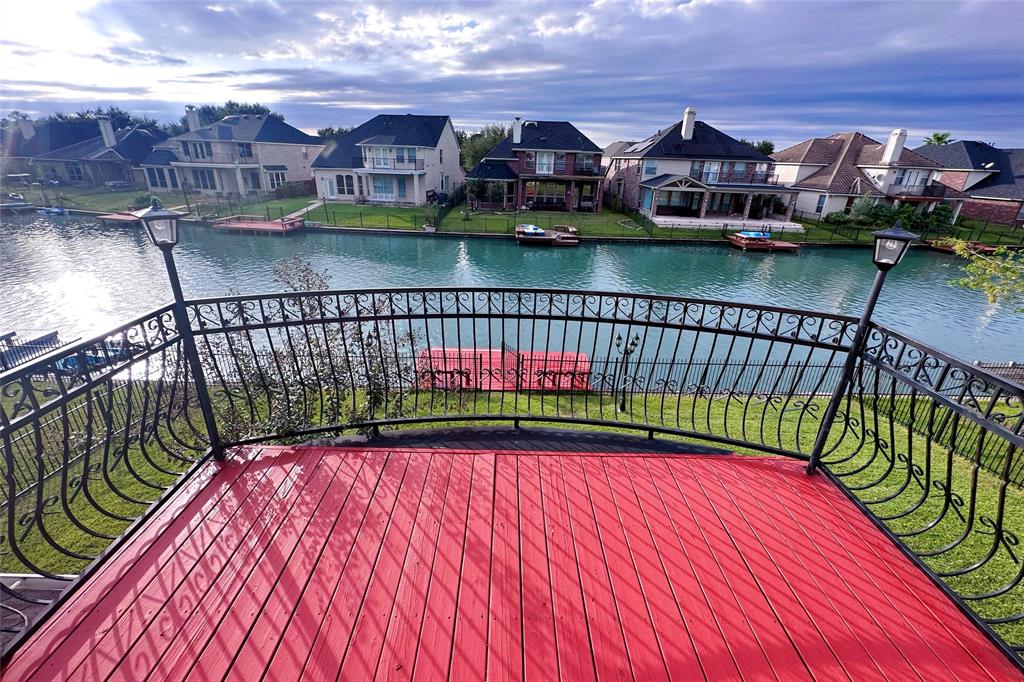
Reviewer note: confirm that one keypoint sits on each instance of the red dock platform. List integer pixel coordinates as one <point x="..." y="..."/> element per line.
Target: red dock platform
<point x="379" y="563"/>
<point x="255" y="225"/>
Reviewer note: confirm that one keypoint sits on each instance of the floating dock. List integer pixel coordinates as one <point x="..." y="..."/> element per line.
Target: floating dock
<point x="944" y="246"/>
<point x="121" y="219"/>
<point x="561" y="235"/>
<point x="760" y="241"/>
<point x="255" y="225"/>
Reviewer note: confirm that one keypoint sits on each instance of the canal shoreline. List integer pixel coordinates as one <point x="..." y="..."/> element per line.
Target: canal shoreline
<point x="353" y="229"/>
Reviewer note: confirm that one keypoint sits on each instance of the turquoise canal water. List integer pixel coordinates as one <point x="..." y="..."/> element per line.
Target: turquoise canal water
<point x="78" y="277"/>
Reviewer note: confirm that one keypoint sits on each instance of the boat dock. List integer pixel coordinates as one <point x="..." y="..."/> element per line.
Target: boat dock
<point x="256" y="225"/>
<point x="120" y="219"/>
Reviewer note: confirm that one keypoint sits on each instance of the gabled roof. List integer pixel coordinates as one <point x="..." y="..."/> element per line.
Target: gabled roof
<point x="250" y="128"/>
<point x="491" y="170"/>
<point x="160" y="157"/>
<point x="707" y="142"/>
<point x="133" y="145"/>
<point x="616" y="149"/>
<point x="840" y="157"/>
<point x="412" y="130"/>
<point x="47" y="137"/>
<point x="963" y="155"/>
<point x="1008" y="183"/>
<point x="545" y="135"/>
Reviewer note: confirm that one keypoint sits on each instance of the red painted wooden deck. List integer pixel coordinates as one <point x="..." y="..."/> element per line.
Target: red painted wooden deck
<point x="310" y="563"/>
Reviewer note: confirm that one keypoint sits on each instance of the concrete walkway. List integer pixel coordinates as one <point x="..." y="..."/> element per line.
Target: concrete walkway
<point x="301" y="213"/>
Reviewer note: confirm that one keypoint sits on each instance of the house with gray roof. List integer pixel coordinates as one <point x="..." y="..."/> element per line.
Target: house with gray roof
<point x="832" y="172"/>
<point x="691" y="171"/>
<point x="237" y="155"/>
<point x="541" y="165"/>
<point x="992" y="178"/>
<point x="112" y="158"/>
<point x="392" y="159"/>
<point x="23" y="140"/>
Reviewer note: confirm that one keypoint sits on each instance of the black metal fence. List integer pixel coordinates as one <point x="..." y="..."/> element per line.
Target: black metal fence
<point x="94" y="433"/>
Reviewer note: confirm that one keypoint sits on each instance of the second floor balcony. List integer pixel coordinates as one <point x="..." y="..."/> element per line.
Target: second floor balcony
<point x="283" y="485"/>
<point x="389" y="163"/>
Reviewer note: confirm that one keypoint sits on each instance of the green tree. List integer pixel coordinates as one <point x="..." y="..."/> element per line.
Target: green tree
<point x="209" y="113"/>
<point x="766" y="147"/>
<point x="331" y="133"/>
<point x="119" y="118"/>
<point x="1000" y="275"/>
<point x="476" y="146"/>
<point x="938" y="138"/>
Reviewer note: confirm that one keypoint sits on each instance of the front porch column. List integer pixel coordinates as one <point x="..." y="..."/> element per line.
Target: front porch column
<point x="238" y="178"/>
<point x="572" y="196"/>
<point x="791" y="206"/>
<point x="705" y="201"/>
<point x="416" y="189"/>
<point x="957" y="205"/>
<point x="747" y="204"/>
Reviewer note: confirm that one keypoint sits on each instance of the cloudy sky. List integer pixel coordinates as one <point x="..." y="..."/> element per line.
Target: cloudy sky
<point x="782" y="70"/>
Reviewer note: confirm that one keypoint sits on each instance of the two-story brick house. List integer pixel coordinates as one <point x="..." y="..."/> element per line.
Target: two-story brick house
<point x="992" y="178"/>
<point x="392" y="159"/>
<point x="692" y="170"/>
<point x="541" y="165"/>
<point x="237" y="155"/>
<point x="832" y="172"/>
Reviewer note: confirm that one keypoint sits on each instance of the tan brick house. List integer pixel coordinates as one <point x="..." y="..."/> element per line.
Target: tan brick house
<point x="992" y="178"/>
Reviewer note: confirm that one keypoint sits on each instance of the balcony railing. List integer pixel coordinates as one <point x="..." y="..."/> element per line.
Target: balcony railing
<point x="930" y="189"/>
<point x="93" y="434"/>
<point x="736" y="178"/>
<point x="388" y="164"/>
<point x="219" y="158"/>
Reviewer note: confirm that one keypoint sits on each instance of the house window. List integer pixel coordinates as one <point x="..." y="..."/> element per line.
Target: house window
<point x="382" y="185"/>
<point x="695" y="168"/>
<point x="400" y="154"/>
<point x="359" y="180"/>
<point x="445" y="182"/>
<point x="202" y="150"/>
<point x="305" y="153"/>
<point x="646" y="198"/>
<point x="560" y="161"/>
<point x="617" y="164"/>
<point x="75" y="172"/>
<point x="204" y="178"/>
<point x="545" y="192"/>
<point x="345" y="184"/>
<point x="156" y="177"/>
<point x="173" y="175"/>
<point x="400" y="181"/>
<point x="650" y="168"/>
<point x="545" y="163"/>
<point x="276" y="179"/>
<point x="761" y="171"/>
<point x="711" y="171"/>
<point x="245" y="150"/>
<point x="585" y="162"/>
<point x="254" y="180"/>
<point x="186" y="149"/>
<point x="821" y="203"/>
<point x="739" y="169"/>
<point x="440" y="155"/>
<point x="410" y="153"/>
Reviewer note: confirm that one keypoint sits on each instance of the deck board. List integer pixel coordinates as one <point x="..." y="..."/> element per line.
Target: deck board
<point x="361" y="563"/>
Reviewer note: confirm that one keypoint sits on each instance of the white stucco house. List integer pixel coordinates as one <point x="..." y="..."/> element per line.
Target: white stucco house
<point x="237" y="155"/>
<point x="832" y="172"/>
<point x="393" y="159"/>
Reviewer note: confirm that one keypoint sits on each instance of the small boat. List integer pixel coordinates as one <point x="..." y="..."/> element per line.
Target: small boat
<point x="51" y="210"/>
<point x="748" y="240"/>
<point x="14" y="203"/>
<point x="531" y="235"/>
<point x="944" y="246"/>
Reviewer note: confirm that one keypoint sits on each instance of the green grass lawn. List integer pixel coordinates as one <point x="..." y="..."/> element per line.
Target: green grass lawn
<point x="340" y="214"/>
<point x="606" y="223"/>
<point x="94" y="198"/>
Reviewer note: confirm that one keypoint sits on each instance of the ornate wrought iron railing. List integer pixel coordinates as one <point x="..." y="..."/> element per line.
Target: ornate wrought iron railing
<point x="928" y="446"/>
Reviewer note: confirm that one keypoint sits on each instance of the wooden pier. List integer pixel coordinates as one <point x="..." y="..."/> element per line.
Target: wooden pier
<point x="256" y="225"/>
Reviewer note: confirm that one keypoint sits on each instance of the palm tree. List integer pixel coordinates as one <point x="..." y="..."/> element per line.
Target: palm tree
<point x="938" y="138"/>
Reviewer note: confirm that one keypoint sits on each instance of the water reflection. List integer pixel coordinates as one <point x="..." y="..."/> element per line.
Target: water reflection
<point x="76" y="276"/>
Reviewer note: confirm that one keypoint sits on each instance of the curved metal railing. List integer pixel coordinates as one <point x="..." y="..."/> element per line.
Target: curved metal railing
<point x="928" y="446"/>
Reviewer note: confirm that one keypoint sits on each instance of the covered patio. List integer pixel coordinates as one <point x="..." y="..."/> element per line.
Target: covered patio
<point x="683" y="196"/>
<point x="586" y="561"/>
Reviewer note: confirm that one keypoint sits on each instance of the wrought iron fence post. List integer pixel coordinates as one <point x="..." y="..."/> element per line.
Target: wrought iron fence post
<point x="856" y="347"/>
<point x="188" y="342"/>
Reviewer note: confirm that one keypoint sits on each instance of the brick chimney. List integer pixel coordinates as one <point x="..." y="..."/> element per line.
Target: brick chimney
<point x="107" y="131"/>
<point x="192" y="117"/>
<point x="894" y="146"/>
<point x="689" y="118"/>
<point x="517" y="130"/>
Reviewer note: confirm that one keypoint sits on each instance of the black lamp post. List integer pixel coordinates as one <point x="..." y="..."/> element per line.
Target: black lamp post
<point x="628" y="349"/>
<point x="891" y="246"/>
<point x="162" y="227"/>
